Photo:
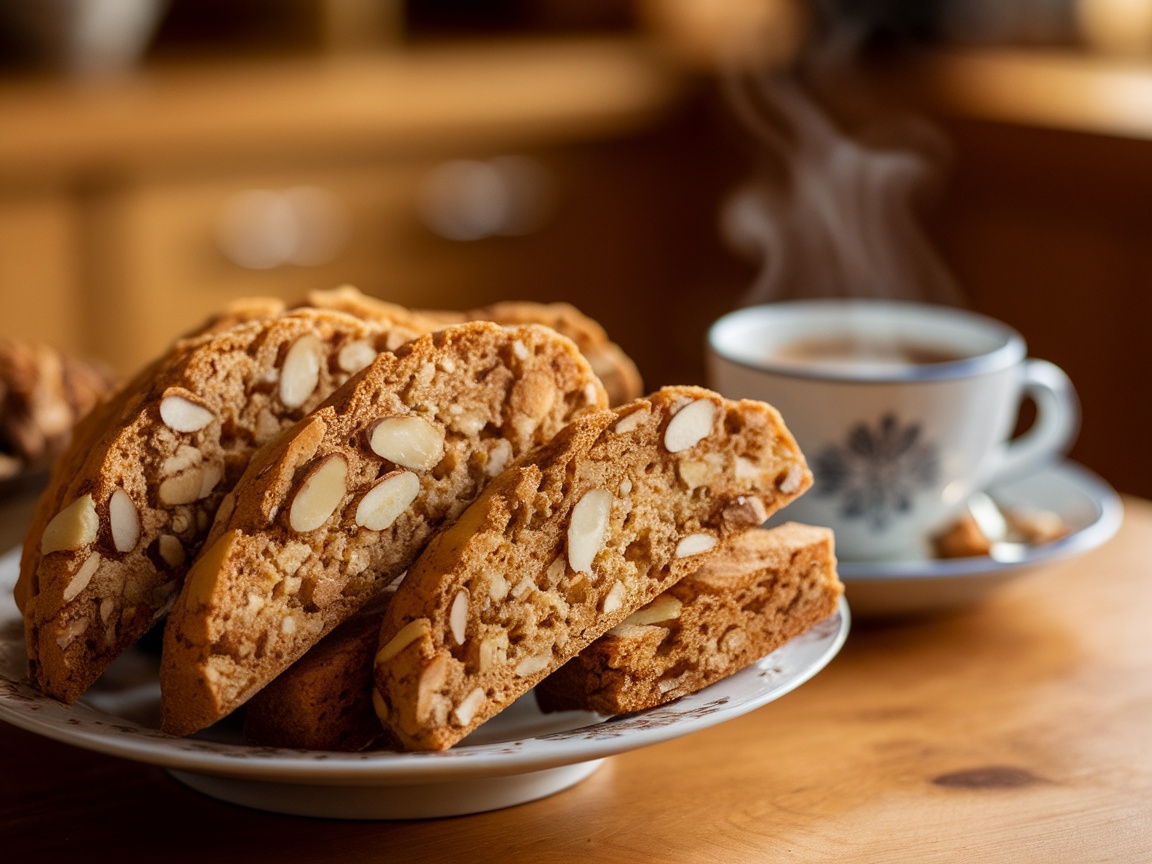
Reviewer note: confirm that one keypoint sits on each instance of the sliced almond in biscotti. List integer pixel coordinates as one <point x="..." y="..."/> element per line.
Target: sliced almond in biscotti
<point x="335" y="509"/>
<point x="567" y="543"/>
<point x="132" y="500"/>
<point x="762" y="588"/>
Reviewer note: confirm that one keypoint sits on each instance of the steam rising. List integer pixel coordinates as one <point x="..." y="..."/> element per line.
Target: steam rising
<point x="830" y="214"/>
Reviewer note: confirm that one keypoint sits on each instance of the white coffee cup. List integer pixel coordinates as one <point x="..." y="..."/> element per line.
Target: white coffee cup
<point x="903" y="410"/>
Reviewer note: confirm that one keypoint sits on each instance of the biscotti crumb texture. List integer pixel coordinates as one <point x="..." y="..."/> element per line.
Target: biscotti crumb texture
<point x="760" y="590"/>
<point x="131" y="503"/>
<point x="335" y="509"/>
<point x="324" y="700"/>
<point x="611" y="364"/>
<point x="567" y="543"/>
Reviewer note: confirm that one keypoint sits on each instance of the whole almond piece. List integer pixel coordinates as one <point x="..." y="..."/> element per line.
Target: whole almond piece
<point x="124" y="520"/>
<point x="182" y="413"/>
<point x="690" y="425"/>
<point x="319" y="494"/>
<point x="385" y="501"/>
<point x="301" y="372"/>
<point x="409" y="441"/>
<point x="587" y="528"/>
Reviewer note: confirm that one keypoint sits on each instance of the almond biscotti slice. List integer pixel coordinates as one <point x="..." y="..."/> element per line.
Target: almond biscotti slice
<point x="92" y="426"/>
<point x="89" y="429"/>
<point x="335" y="509"/>
<point x="352" y="301"/>
<point x="568" y="542"/>
<point x="611" y="364"/>
<point x="609" y="361"/>
<point x="132" y="501"/>
<point x="762" y="588"/>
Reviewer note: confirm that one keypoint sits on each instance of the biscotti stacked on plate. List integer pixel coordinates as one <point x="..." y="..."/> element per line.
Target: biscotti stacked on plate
<point x="132" y="497"/>
<point x="131" y="501"/>
<point x="765" y="587"/>
<point x="457" y="480"/>
<point x="337" y="507"/>
<point x="762" y="588"/>
<point x="568" y="542"/>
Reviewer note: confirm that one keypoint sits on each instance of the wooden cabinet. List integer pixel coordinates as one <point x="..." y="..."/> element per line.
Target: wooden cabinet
<point x="167" y="261"/>
<point x="39" y="268"/>
<point x="1045" y="220"/>
<point x="115" y="200"/>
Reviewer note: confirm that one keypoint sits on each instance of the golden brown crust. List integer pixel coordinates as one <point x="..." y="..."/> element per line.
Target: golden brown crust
<point x="327" y="515"/>
<point x="764" y="587"/>
<point x="239" y="311"/>
<point x="132" y="500"/>
<point x="614" y="367"/>
<point x="565" y="544"/>
<point x="407" y="323"/>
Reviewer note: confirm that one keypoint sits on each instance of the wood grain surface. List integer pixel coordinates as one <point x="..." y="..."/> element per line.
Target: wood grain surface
<point x="1015" y="731"/>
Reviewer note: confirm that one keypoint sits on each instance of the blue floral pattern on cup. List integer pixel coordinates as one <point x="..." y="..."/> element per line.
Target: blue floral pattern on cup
<point x="876" y="470"/>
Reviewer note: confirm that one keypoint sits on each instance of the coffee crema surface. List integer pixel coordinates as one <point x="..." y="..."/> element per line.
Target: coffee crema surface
<point x="847" y="349"/>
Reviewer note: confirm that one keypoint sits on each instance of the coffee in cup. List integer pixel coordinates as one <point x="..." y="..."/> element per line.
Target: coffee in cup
<point x="902" y="409"/>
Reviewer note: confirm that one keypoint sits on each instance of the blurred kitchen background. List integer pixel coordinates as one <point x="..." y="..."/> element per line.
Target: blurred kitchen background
<point x="655" y="162"/>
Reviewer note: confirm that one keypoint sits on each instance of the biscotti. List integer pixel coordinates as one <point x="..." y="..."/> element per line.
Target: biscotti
<point x="568" y="542"/>
<point x="337" y="507"/>
<point x="93" y="426"/>
<point x="323" y="701"/>
<point x="44" y="392"/>
<point x="352" y="301"/>
<point x="611" y="364"/>
<point x="761" y="589"/>
<point x="132" y="501"/>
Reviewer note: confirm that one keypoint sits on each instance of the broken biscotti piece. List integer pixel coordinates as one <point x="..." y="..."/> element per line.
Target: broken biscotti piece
<point x="131" y="501"/>
<point x="566" y="544"/>
<point x="762" y="588"/>
<point x="332" y="511"/>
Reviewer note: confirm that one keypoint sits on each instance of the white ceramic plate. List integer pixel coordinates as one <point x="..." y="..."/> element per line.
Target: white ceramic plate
<point x="1089" y="507"/>
<point x="520" y="755"/>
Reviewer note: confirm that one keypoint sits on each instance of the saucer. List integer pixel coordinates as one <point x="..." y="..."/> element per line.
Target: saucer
<point x="1090" y="508"/>
<point x="520" y="755"/>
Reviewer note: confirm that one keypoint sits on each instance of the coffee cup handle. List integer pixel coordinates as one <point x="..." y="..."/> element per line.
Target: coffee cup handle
<point x="1052" y="433"/>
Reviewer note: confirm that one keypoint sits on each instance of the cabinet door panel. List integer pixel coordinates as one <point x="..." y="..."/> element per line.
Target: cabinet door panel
<point x="173" y="252"/>
<point x="40" y="296"/>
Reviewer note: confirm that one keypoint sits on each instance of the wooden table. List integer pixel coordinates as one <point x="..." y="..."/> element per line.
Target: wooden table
<point x="1017" y="731"/>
